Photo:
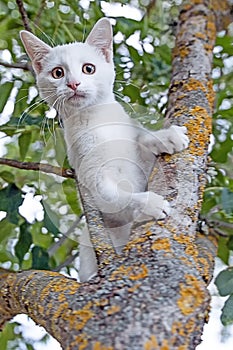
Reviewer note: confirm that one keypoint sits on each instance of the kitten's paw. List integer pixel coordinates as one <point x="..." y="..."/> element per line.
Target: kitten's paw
<point x="155" y="207"/>
<point x="177" y="139"/>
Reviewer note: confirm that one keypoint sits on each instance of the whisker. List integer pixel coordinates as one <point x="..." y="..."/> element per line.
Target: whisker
<point x="127" y="83"/>
<point x="121" y="97"/>
<point x="50" y="40"/>
<point x="32" y="108"/>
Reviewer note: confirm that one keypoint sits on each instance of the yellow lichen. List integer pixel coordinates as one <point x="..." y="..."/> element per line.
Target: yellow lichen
<point x="178" y="328"/>
<point x="80" y="342"/>
<point x="134" y="288"/>
<point x="98" y="346"/>
<point x="113" y="309"/>
<point x="200" y="35"/>
<point x="101" y="302"/>
<point x="197" y="2"/>
<point x="165" y="345"/>
<point x="78" y="318"/>
<point x="203" y="267"/>
<point x="142" y="273"/>
<point x="211" y="28"/>
<point x="191" y="250"/>
<point x="199" y="129"/>
<point x="151" y="344"/>
<point x="210" y="93"/>
<point x="190" y="326"/>
<point x="60" y="310"/>
<point x="162" y="244"/>
<point x="183" y="239"/>
<point x="194" y="84"/>
<point x="191" y="295"/>
<point x="135" y="243"/>
<point x="59" y="285"/>
<point x="182" y="347"/>
<point x="181" y="50"/>
<point x="132" y="272"/>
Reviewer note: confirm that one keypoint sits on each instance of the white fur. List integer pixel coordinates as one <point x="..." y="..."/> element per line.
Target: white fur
<point x="111" y="154"/>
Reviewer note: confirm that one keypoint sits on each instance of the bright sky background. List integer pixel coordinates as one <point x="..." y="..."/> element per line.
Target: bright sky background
<point x="216" y="337"/>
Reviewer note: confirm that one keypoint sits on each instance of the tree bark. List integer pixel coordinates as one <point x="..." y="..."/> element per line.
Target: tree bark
<point x="155" y="295"/>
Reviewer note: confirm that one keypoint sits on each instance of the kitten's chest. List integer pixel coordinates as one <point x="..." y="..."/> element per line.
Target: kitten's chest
<point x="100" y="136"/>
<point x="102" y="128"/>
<point x="105" y="139"/>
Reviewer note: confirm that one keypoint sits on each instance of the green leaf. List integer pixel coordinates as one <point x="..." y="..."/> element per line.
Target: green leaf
<point x="40" y="258"/>
<point x="7" y="176"/>
<point x="230" y="242"/>
<point x="227" y="200"/>
<point x="227" y="312"/>
<point x="60" y="147"/>
<point x="223" y="251"/>
<point x="39" y="238"/>
<point x="220" y="154"/>
<point x="6" y="229"/>
<point x="71" y="195"/>
<point x="21" y="101"/>
<point x="51" y="220"/>
<point x="24" y="242"/>
<point x="6" y="335"/>
<point x="224" y="282"/>
<point x="24" y="143"/>
<point x="10" y="200"/>
<point x="5" y="91"/>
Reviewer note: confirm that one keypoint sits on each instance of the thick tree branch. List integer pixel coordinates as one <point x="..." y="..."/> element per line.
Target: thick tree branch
<point x="24" y="15"/>
<point x="46" y="168"/>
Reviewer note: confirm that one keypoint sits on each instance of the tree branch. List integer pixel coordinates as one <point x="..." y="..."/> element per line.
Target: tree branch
<point x="18" y="65"/>
<point x="24" y="15"/>
<point x="53" y="248"/>
<point x="45" y="168"/>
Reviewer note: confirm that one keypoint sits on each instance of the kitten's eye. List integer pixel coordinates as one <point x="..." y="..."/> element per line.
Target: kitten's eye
<point x="88" y="68"/>
<point x="58" y="73"/>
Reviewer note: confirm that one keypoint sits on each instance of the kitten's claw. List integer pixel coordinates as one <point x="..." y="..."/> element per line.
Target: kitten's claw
<point x="155" y="207"/>
<point x="171" y="140"/>
<point x="165" y="210"/>
<point x="178" y="138"/>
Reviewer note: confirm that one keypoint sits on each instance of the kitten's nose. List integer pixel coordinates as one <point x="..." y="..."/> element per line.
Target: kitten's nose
<point x="73" y="85"/>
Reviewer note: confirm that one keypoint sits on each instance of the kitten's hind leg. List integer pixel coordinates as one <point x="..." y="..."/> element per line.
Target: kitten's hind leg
<point x="141" y="207"/>
<point x="150" y="205"/>
<point x="171" y="140"/>
<point x="88" y="263"/>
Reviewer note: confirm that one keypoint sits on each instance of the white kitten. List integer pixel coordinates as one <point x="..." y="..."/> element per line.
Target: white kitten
<point x="112" y="155"/>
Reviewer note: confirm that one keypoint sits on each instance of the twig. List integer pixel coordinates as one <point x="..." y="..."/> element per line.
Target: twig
<point x="46" y="168"/>
<point x="19" y="65"/>
<point x="39" y="13"/>
<point x="24" y="15"/>
<point x="150" y="7"/>
<point x="53" y="248"/>
<point x="67" y="262"/>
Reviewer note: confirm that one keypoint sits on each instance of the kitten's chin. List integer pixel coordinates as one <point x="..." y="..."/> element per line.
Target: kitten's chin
<point x="78" y="101"/>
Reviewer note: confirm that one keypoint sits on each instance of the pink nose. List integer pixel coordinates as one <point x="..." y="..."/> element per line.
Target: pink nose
<point x="73" y="85"/>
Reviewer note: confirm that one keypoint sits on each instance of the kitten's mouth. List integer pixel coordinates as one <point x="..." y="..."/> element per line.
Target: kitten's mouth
<point x="77" y="96"/>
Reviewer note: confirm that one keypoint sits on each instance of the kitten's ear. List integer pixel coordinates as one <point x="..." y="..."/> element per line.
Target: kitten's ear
<point x="101" y="37"/>
<point x="35" y="48"/>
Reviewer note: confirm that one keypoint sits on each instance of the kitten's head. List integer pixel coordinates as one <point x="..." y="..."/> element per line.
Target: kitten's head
<point x="75" y="75"/>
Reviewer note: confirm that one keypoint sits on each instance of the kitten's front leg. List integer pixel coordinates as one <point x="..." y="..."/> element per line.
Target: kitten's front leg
<point x="171" y="140"/>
